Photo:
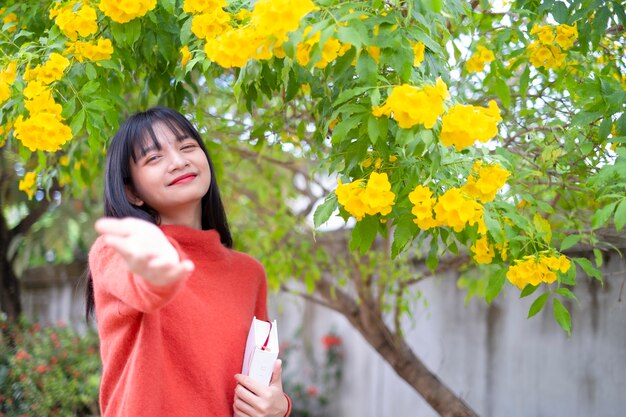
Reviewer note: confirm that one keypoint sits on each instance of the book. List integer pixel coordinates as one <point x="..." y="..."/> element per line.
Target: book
<point x="261" y="350"/>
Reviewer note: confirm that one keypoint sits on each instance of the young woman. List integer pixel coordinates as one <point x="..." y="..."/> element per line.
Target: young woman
<point x="173" y="301"/>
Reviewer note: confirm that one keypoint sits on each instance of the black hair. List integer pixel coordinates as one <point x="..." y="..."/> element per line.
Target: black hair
<point x="132" y="137"/>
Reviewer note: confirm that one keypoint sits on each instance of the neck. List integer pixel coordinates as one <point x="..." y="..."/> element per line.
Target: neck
<point x="191" y="217"/>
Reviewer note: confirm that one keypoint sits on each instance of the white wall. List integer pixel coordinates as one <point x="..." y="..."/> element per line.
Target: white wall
<point x="501" y="363"/>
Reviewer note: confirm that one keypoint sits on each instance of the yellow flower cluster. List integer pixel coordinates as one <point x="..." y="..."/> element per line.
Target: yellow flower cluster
<point x="477" y="61"/>
<point x="548" y="50"/>
<point x="210" y="23"/>
<point x="418" y="52"/>
<point x="260" y="38"/>
<point x="457" y="210"/>
<point x="73" y="21"/>
<point x="7" y="77"/>
<point x="485" y="181"/>
<point x="50" y="72"/>
<point x="482" y="250"/>
<point x="423" y="203"/>
<point x="44" y="128"/>
<point x="465" y="124"/>
<point x="126" y="10"/>
<point x="453" y="209"/>
<point x="90" y="50"/>
<point x="331" y="50"/>
<point x="29" y="184"/>
<point x="534" y="270"/>
<point x="411" y="106"/>
<point x="373" y="198"/>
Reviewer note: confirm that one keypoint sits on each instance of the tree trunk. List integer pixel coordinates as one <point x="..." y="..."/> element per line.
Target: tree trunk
<point x="10" y="301"/>
<point x="394" y="349"/>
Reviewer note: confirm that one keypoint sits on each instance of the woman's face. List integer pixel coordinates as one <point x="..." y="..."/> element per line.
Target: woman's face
<point x="171" y="180"/>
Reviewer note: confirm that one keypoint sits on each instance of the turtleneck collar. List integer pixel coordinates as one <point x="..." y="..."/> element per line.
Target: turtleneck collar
<point x="206" y="243"/>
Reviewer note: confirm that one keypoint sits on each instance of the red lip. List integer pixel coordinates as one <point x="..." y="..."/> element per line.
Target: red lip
<point x="183" y="178"/>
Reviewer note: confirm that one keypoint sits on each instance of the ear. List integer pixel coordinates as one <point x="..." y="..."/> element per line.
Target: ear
<point x="132" y="197"/>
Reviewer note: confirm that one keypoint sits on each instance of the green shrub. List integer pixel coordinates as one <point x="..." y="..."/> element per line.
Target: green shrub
<point x="48" y="370"/>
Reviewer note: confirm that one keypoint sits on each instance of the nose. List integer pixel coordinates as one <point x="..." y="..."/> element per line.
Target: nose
<point x="177" y="161"/>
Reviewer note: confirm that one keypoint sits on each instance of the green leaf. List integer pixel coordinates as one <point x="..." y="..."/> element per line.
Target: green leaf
<point x="502" y="90"/>
<point x="373" y="128"/>
<point x="569" y="241"/>
<point x="562" y="316"/>
<point x="169" y="6"/>
<point x="560" y="12"/>
<point x="432" y="5"/>
<point x="528" y="289"/>
<point x="89" y="88"/>
<point x="324" y="211"/>
<point x="543" y="227"/>
<point x="90" y="71"/>
<point x="355" y="33"/>
<point x="366" y="69"/>
<point x="566" y="293"/>
<point x="538" y="304"/>
<point x="588" y="267"/>
<point x="495" y="284"/>
<point x="620" y="215"/>
<point x="344" y="127"/>
<point x="601" y="217"/>
<point x="185" y="32"/>
<point x="403" y="233"/>
<point x="523" y="82"/>
<point x="368" y="229"/>
<point x="77" y="122"/>
<point x="597" y="254"/>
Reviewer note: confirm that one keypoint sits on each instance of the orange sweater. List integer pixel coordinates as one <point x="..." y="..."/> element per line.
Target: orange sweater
<point x="174" y="350"/>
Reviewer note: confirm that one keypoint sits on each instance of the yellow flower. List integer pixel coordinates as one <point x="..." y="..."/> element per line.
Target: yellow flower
<point x="423" y="203"/>
<point x="348" y="196"/>
<point x="454" y="209"/>
<point x="566" y="35"/>
<point x="534" y="270"/>
<point x="477" y="61"/>
<point x="74" y="23"/>
<point x="544" y="33"/>
<point x="53" y="69"/>
<point x="185" y="55"/>
<point x="42" y="131"/>
<point x="90" y="50"/>
<point x="10" y="18"/>
<point x="210" y="24"/>
<point x="7" y="77"/>
<point x="411" y="106"/>
<point x="202" y="6"/>
<point x="122" y="11"/>
<point x="418" y="52"/>
<point x="28" y="184"/>
<point x="483" y="251"/>
<point x="465" y="124"/>
<point x="485" y="181"/>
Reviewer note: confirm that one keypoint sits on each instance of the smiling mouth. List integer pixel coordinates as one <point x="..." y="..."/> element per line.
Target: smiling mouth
<point x="183" y="179"/>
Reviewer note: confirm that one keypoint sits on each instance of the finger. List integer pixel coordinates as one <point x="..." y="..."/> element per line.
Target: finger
<point x="277" y="374"/>
<point x="110" y="225"/>
<point x="250" y="384"/>
<point x="242" y="406"/>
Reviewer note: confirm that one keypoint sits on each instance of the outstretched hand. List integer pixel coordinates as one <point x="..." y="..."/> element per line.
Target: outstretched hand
<point x="253" y="399"/>
<point x="145" y="249"/>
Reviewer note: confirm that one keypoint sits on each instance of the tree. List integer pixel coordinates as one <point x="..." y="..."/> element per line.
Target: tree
<point x="491" y="136"/>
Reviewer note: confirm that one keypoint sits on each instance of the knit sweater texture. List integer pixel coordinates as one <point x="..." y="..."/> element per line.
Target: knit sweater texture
<point x="174" y="350"/>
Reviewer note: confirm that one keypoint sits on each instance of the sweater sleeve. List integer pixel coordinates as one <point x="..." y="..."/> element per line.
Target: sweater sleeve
<point x="111" y="275"/>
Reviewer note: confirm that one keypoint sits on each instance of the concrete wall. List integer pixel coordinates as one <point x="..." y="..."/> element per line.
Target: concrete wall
<point x="501" y="363"/>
